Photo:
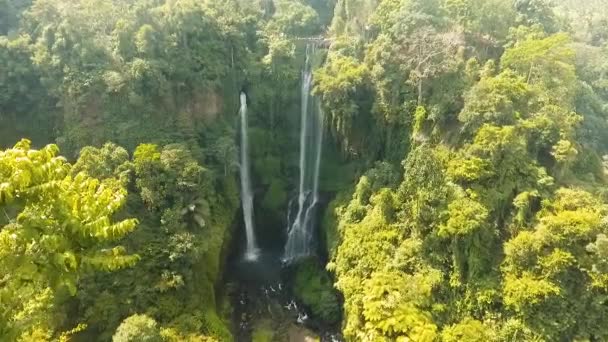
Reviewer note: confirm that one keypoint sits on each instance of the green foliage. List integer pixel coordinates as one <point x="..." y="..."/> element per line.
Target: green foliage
<point x="26" y="108"/>
<point x="469" y="330"/>
<point x="536" y="12"/>
<point x="138" y="328"/>
<point x="337" y="83"/>
<point x="116" y="68"/>
<point x="184" y="221"/>
<point x="499" y="100"/>
<point x="539" y="58"/>
<point x="56" y="229"/>
<point x="494" y="229"/>
<point x="263" y="332"/>
<point x="386" y="286"/>
<point x="474" y="223"/>
<point x="392" y="305"/>
<point x="294" y="18"/>
<point x="109" y="161"/>
<point x="549" y="267"/>
<point x="486" y="22"/>
<point x="466" y="217"/>
<point x="163" y="176"/>
<point x="419" y="117"/>
<point x="313" y="287"/>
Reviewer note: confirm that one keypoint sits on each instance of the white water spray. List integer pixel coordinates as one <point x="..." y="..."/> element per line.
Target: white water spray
<point x="301" y="230"/>
<point x="251" y="250"/>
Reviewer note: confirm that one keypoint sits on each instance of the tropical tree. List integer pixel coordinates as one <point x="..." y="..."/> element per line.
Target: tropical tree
<point x="55" y="228"/>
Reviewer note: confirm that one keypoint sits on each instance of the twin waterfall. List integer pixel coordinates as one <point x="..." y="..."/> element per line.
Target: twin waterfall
<point x="301" y="230"/>
<point x="251" y="251"/>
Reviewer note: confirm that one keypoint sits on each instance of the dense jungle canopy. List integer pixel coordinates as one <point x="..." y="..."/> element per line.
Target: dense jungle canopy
<point x="460" y="186"/>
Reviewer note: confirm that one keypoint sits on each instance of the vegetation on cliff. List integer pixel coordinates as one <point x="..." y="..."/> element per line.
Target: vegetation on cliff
<point x="463" y="180"/>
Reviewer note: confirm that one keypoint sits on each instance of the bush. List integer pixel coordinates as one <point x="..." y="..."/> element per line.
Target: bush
<point x="137" y="328"/>
<point x="262" y="332"/>
<point x="314" y="288"/>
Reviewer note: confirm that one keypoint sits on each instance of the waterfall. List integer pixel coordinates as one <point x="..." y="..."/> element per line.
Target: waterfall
<point x="251" y="250"/>
<point x="301" y="230"/>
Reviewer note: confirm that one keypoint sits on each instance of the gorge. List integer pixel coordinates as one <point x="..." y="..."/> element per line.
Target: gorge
<point x="296" y="170"/>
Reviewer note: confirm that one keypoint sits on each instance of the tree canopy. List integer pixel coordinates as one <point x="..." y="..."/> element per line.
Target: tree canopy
<point x="462" y="190"/>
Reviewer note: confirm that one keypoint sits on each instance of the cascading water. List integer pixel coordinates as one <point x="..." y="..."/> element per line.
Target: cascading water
<point x="251" y="250"/>
<point x="301" y="230"/>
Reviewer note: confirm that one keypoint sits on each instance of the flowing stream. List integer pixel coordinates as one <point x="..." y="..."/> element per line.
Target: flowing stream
<point x="251" y="249"/>
<point x="301" y="229"/>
